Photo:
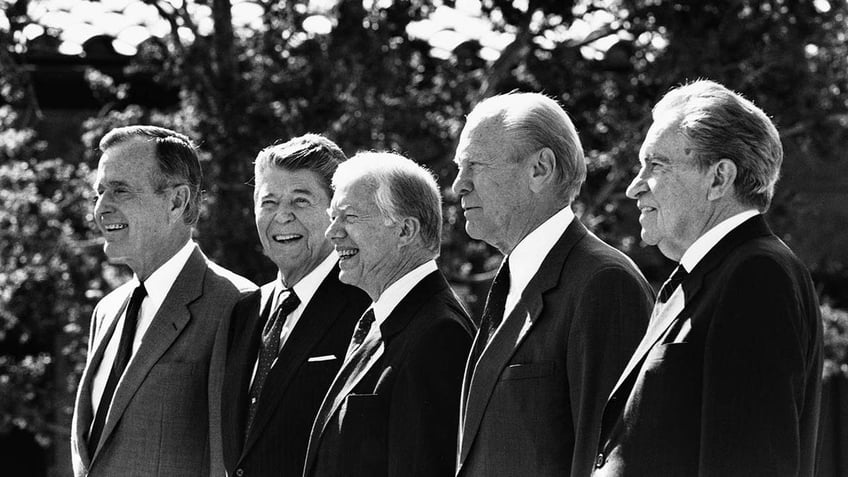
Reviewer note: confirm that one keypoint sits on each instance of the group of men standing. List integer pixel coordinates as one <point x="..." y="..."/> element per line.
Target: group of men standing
<point x="359" y="360"/>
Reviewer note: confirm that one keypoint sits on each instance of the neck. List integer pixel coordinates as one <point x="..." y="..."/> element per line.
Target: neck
<point x="398" y="270"/>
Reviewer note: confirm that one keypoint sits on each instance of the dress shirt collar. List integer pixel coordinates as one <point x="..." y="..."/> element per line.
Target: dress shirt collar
<point x="528" y="255"/>
<point x="390" y="298"/>
<point x="159" y="283"/>
<point x="308" y="285"/>
<point x="706" y="242"/>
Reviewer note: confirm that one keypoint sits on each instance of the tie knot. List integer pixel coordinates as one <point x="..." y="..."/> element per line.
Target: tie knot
<point x="367" y="320"/>
<point x="288" y="302"/>
<point x="140" y="292"/>
<point x="677" y="276"/>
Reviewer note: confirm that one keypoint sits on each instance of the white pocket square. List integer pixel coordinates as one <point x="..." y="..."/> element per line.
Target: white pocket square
<point x="316" y="359"/>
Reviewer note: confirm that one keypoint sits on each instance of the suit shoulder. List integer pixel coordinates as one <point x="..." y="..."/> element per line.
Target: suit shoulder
<point x="229" y="279"/>
<point x="444" y="313"/>
<point x="594" y="257"/>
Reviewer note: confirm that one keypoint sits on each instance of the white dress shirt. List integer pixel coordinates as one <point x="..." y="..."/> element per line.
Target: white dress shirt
<point x="706" y="242"/>
<point x="158" y="284"/>
<point x="392" y="295"/>
<point x="528" y="255"/>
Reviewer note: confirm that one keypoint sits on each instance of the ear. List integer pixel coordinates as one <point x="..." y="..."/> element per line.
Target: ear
<point x="723" y="176"/>
<point x="409" y="230"/>
<point x="542" y="169"/>
<point x="179" y="200"/>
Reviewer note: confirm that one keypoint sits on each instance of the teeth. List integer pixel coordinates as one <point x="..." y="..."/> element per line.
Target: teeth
<point x="114" y="227"/>
<point x="285" y="237"/>
<point x="347" y="253"/>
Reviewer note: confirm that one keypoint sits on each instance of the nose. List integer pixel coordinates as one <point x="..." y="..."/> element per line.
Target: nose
<point x="637" y="187"/>
<point x="283" y="215"/>
<point x="335" y="230"/>
<point x="461" y="185"/>
<point x="101" y="206"/>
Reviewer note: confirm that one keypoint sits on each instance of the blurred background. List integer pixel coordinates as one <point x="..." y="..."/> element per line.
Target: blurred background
<point x="237" y="75"/>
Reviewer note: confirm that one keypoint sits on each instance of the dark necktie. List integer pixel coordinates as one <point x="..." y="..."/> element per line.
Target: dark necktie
<point x="677" y="276"/>
<point x="121" y="359"/>
<point x="363" y="326"/>
<point x="269" y="349"/>
<point x="493" y="312"/>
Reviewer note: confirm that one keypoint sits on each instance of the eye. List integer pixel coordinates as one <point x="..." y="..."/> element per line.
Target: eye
<point x="301" y="202"/>
<point x="121" y="192"/>
<point x="267" y="202"/>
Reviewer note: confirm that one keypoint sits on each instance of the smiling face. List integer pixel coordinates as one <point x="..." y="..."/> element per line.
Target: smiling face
<point x="367" y="243"/>
<point x="493" y="186"/>
<point x="671" y="192"/>
<point x="290" y="208"/>
<point x="140" y="227"/>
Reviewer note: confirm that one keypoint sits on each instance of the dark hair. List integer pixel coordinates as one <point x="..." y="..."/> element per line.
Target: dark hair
<point x="176" y="156"/>
<point x="310" y="151"/>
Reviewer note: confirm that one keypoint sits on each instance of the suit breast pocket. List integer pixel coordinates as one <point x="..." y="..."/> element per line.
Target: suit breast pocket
<point x="528" y="370"/>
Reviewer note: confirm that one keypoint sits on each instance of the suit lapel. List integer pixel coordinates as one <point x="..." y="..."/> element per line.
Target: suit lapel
<point x="670" y="312"/>
<point x="318" y="316"/>
<point x="394" y="324"/>
<point x="479" y="382"/>
<point x="166" y="326"/>
<point x="84" y="412"/>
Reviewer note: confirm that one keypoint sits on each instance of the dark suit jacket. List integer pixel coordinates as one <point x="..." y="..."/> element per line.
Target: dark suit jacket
<point x="158" y="424"/>
<point x="730" y="386"/>
<point x="534" y="404"/>
<point x="400" y="418"/>
<point x="296" y="384"/>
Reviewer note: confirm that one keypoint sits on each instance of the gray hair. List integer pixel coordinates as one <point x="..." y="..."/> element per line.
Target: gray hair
<point x="721" y="124"/>
<point x="313" y="152"/>
<point x="534" y="121"/>
<point x="176" y="156"/>
<point x="402" y="188"/>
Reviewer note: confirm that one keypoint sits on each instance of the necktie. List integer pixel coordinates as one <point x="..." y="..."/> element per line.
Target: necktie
<point x="357" y="360"/>
<point x="121" y="359"/>
<point x="672" y="283"/>
<point x="269" y="349"/>
<point x="363" y="326"/>
<point x="493" y="312"/>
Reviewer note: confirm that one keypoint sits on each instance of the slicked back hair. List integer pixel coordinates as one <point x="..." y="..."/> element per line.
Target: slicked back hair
<point x="534" y="121"/>
<point x="310" y="151"/>
<point x="176" y="157"/>
<point x="720" y="123"/>
<point x="401" y="187"/>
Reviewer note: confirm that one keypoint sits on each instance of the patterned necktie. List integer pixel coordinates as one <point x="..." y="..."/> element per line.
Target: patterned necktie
<point x="269" y="349"/>
<point x="121" y="359"/>
<point x="363" y="326"/>
<point x="677" y="276"/>
<point x="493" y="312"/>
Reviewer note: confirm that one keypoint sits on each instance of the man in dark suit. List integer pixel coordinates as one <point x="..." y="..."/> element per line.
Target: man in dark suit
<point x="727" y="380"/>
<point x="265" y="431"/>
<point x="142" y="407"/>
<point x="392" y="410"/>
<point x="565" y="310"/>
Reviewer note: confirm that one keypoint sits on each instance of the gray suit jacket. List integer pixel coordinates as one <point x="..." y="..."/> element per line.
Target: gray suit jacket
<point x="158" y="422"/>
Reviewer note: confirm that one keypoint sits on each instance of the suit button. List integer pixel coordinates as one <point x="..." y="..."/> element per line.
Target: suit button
<point x="239" y="472"/>
<point x="599" y="461"/>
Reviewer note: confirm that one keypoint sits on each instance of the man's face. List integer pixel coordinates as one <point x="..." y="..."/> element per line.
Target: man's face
<point x="367" y="244"/>
<point x="493" y="185"/>
<point x="291" y="218"/>
<point x="136" y="221"/>
<point x="671" y="191"/>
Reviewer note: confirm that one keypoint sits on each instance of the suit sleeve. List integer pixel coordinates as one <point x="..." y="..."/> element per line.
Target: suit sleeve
<point x="425" y="403"/>
<point x="756" y="358"/>
<point x="609" y="321"/>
